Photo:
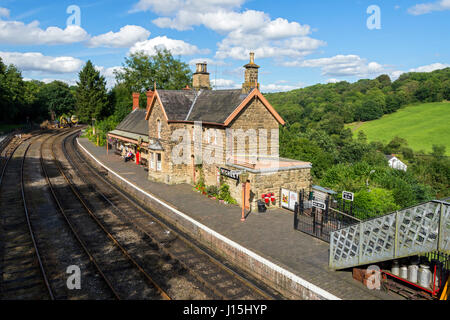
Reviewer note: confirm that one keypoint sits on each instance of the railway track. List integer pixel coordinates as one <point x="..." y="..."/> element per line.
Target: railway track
<point x="123" y="250"/>
<point x="126" y="278"/>
<point x="60" y="250"/>
<point x="222" y="281"/>
<point x="23" y="275"/>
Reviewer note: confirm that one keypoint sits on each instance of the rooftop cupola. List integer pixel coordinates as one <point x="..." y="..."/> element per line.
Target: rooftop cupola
<point x="200" y="79"/>
<point x="251" y="75"/>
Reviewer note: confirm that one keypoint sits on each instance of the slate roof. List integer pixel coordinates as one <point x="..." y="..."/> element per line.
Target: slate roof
<point x="389" y="157"/>
<point x="134" y="123"/>
<point x="213" y="106"/>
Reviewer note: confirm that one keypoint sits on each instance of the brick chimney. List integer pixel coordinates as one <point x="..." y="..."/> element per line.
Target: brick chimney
<point x="251" y="75"/>
<point x="150" y="94"/>
<point x="200" y="79"/>
<point x="135" y="100"/>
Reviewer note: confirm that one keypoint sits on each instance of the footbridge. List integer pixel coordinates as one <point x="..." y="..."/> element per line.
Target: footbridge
<point x="413" y="231"/>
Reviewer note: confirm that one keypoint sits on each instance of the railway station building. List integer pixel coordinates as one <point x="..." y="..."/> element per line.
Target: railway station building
<point x="216" y="136"/>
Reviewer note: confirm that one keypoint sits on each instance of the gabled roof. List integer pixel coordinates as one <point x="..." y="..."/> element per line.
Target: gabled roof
<point x="218" y="107"/>
<point x="390" y="156"/>
<point x="134" y="123"/>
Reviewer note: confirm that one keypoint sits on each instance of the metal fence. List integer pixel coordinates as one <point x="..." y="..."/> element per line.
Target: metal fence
<point x="319" y="223"/>
<point x="412" y="231"/>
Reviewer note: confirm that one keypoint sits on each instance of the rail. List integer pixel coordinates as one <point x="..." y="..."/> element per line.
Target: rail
<point x="71" y="185"/>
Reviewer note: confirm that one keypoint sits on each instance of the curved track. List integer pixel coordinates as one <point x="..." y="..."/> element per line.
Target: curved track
<point x="213" y="274"/>
<point x="23" y="275"/>
<point x="124" y="251"/>
<point x="117" y="266"/>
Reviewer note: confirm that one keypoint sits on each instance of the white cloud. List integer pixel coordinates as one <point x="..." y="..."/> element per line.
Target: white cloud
<point x="4" y="13"/>
<point x="176" y="47"/>
<point x="276" y="87"/>
<point x="429" y="7"/>
<point x="109" y="75"/>
<point x="244" y="31"/>
<point x="224" y="84"/>
<point x="427" y="68"/>
<point x="430" y="67"/>
<point x="341" y="66"/>
<point x="209" y="62"/>
<point x="35" y="61"/>
<point x="171" y="6"/>
<point x="126" y="37"/>
<point x="16" y="32"/>
<point x="333" y="80"/>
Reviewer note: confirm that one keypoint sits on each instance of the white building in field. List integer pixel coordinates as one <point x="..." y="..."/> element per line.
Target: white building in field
<point x="396" y="163"/>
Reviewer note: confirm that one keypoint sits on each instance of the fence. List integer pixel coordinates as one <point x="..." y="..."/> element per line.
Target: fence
<point x="319" y="223"/>
<point x="412" y="231"/>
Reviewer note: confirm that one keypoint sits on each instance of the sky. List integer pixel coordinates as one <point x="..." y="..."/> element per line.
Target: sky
<point x="296" y="43"/>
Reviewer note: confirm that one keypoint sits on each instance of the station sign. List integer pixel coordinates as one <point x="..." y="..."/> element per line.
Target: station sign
<point x="319" y="205"/>
<point x="348" y="195"/>
<point x="230" y="174"/>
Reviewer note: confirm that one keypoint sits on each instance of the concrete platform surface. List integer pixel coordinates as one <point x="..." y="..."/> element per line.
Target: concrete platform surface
<point x="270" y="235"/>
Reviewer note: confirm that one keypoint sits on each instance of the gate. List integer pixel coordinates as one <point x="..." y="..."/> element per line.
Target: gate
<point x="321" y="222"/>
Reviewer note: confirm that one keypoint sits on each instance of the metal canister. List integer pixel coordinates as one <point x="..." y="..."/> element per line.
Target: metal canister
<point x="395" y="270"/>
<point x="413" y="271"/>
<point x="404" y="272"/>
<point x="424" y="275"/>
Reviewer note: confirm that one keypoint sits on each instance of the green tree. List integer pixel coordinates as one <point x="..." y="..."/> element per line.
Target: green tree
<point x="122" y="100"/>
<point x="140" y="72"/>
<point x="12" y="93"/>
<point x="57" y="97"/>
<point x="91" y="96"/>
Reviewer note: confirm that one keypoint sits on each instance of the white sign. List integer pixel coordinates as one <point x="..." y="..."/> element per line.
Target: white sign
<point x="293" y="199"/>
<point x="285" y="198"/>
<point x="348" y="195"/>
<point x="319" y="205"/>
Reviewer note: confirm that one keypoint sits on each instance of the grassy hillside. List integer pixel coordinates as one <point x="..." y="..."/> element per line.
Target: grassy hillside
<point x="421" y="125"/>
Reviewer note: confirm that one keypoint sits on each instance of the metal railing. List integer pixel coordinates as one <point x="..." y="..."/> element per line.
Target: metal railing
<point x="412" y="231"/>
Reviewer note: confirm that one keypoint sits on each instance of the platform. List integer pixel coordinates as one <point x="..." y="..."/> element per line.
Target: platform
<point x="270" y="235"/>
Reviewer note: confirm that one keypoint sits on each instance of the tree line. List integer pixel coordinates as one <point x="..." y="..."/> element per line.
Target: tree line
<point x="90" y="98"/>
<point x="315" y="132"/>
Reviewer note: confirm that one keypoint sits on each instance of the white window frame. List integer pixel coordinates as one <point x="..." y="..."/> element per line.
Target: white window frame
<point x="152" y="161"/>
<point x="158" y="163"/>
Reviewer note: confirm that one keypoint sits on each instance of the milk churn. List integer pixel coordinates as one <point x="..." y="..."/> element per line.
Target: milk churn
<point x="395" y="270"/>
<point x="404" y="272"/>
<point x="424" y="275"/>
<point x="413" y="270"/>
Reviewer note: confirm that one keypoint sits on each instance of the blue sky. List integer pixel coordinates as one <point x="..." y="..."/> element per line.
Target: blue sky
<point x="297" y="43"/>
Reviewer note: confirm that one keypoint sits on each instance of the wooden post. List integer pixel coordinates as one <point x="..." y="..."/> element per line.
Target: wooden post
<point x="98" y="140"/>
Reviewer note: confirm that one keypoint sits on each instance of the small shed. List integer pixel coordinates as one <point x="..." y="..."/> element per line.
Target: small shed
<point x="396" y="163"/>
<point x="321" y="193"/>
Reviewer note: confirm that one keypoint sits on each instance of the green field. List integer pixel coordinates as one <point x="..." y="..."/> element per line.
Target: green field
<point x="421" y="125"/>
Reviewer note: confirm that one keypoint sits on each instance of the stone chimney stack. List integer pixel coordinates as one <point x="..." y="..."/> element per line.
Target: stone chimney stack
<point x="135" y="100"/>
<point x="200" y="80"/>
<point x="251" y="75"/>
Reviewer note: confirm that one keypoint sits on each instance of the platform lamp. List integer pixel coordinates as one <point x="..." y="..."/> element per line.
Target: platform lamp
<point x="243" y="177"/>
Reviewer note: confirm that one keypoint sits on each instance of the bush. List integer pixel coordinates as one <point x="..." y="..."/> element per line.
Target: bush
<point x="224" y="194"/>
<point x="212" y="191"/>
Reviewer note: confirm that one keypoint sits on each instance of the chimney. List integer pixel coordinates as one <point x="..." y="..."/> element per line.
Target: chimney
<point x="251" y="75"/>
<point x="135" y="100"/>
<point x="150" y="94"/>
<point x="200" y="80"/>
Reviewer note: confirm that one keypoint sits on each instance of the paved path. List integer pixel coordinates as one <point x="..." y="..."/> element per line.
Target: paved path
<point x="270" y="235"/>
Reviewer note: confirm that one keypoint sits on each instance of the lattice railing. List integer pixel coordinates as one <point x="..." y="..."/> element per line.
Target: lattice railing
<point x="408" y="232"/>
